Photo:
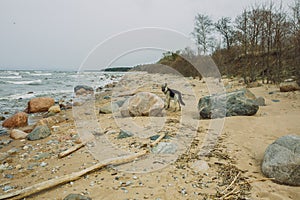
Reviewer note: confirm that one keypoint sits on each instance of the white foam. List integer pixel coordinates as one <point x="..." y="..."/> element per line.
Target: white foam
<point x="33" y="82"/>
<point x="31" y="95"/>
<point x="13" y="73"/>
<point x="42" y="74"/>
<point x="11" y="77"/>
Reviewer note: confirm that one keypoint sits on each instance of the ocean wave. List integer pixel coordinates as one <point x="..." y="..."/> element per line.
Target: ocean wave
<point x="11" y="77"/>
<point x="41" y="74"/>
<point x="13" y="73"/>
<point x="33" y="82"/>
<point x="30" y="95"/>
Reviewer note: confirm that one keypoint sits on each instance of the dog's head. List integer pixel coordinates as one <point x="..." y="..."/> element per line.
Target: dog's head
<point x="163" y="87"/>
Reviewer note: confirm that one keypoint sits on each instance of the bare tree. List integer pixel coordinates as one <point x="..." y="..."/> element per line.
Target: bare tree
<point x="202" y="33"/>
<point x="295" y="38"/>
<point x="225" y="28"/>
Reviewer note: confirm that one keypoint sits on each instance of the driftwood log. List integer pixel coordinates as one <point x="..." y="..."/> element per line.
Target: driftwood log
<point x="71" y="150"/>
<point x="70" y="177"/>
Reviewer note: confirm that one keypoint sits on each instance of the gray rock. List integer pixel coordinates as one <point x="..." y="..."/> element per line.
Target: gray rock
<point x="3" y="131"/>
<point x="275" y="100"/>
<point x="42" y="156"/>
<point x="260" y="101"/>
<point x="76" y="197"/>
<point x="83" y="90"/>
<point x="5" y="142"/>
<point x="39" y="132"/>
<point x="7" y="188"/>
<point x="164" y="148"/>
<point x="108" y="108"/>
<point x="282" y="160"/>
<point x="237" y="103"/>
<point x="124" y="134"/>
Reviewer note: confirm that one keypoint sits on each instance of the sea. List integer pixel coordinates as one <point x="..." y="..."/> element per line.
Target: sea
<point x="17" y="87"/>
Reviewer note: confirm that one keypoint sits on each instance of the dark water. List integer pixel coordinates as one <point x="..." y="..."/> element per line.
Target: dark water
<point x="18" y="87"/>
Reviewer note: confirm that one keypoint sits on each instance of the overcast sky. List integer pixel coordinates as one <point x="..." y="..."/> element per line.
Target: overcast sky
<point x="60" y="34"/>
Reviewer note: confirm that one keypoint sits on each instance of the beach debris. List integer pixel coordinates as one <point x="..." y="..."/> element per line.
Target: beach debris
<point x="281" y="160"/>
<point x="289" y="86"/>
<point x="124" y="134"/>
<point x="17" y="120"/>
<point x="70" y="177"/>
<point x="40" y="104"/>
<point x="157" y="140"/>
<point x="83" y="90"/>
<point x="76" y="197"/>
<point x="18" y="134"/>
<point x="143" y="104"/>
<point x="39" y="132"/>
<point x="71" y="150"/>
<point x="237" y="103"/>
<point x="2" y="118"/>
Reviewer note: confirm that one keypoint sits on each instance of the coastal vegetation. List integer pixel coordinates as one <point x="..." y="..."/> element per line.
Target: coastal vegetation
<point x="263" y="42"/>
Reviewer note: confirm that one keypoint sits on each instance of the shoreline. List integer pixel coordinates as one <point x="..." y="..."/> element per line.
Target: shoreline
<point x="239" y="150"/>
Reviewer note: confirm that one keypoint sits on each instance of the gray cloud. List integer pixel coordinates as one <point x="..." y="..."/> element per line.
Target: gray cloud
<point x="57" y="34"/>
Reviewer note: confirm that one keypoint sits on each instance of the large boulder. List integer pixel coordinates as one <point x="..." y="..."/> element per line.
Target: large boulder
<point x="289" y="86"/>
<point x="40" y="104"/>
<point x="83" y="90"/>
<point x="237" y="103"/>
<point x="19" y="119"/>
<point x="39" y="132"/>
<point x="282" y="160"/>
<point x="143" y="104"/>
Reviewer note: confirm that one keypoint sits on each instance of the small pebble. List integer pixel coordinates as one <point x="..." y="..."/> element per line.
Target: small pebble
<point x="43" y="164"/>
<point x="7" y="188"/>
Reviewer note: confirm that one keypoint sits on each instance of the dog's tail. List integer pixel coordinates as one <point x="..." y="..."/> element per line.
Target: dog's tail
<point x="180" y="100"/>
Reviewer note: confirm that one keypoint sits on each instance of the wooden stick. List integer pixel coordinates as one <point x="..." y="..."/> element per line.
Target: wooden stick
<point x="158" y="140"/>
<point x="71" y="150"/>
<point x="229" y="193"/>
<point x="69" y="177"/>
<point x="231" y="183"/>
<point x="261" y="179"/>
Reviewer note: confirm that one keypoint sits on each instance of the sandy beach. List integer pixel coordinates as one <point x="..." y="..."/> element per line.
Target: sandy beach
<point x="230" y="169"/>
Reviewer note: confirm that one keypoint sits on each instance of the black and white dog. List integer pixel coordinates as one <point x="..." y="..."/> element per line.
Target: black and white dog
<point x="172" y="94"/>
